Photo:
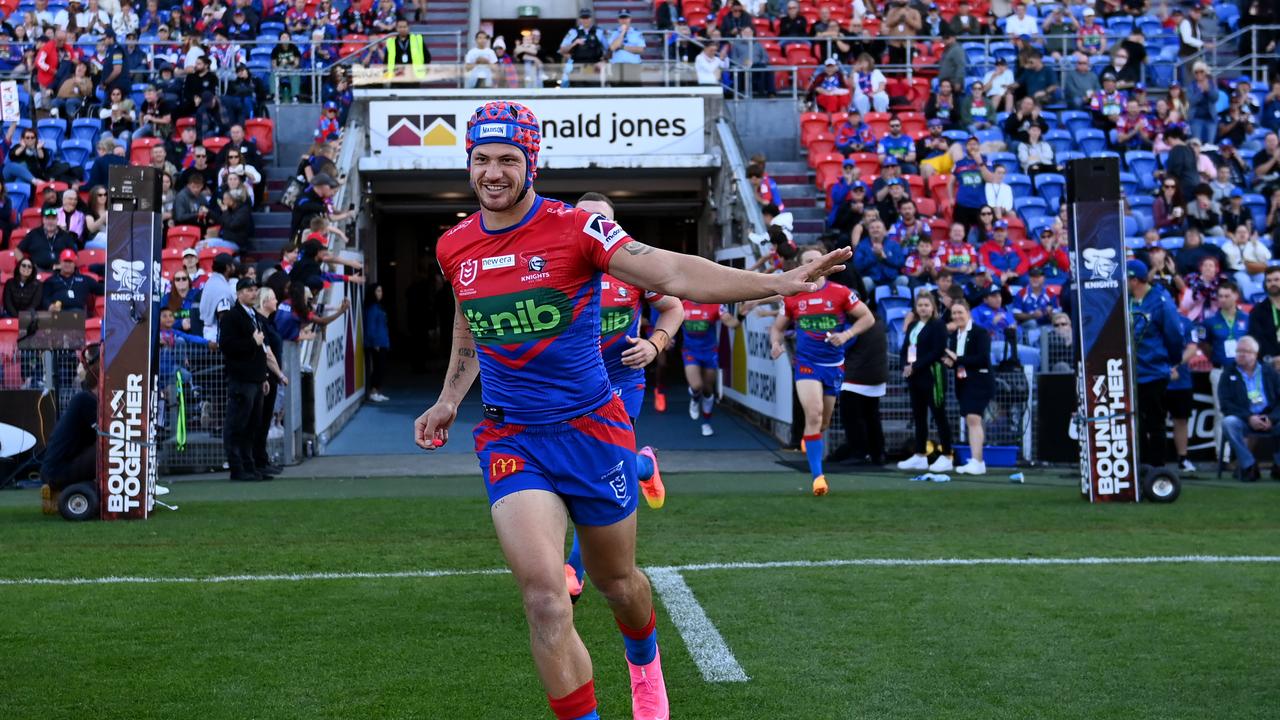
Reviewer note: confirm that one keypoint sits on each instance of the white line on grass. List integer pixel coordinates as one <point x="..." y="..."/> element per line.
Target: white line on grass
<point x="714" y="658"/>
<point x="859" y="562"/>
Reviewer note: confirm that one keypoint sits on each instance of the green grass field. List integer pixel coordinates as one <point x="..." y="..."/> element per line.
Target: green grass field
<point x="1124" y="641"/>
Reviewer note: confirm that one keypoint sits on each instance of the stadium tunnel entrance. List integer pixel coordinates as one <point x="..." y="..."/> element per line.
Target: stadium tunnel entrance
<point x="410" y="210"/>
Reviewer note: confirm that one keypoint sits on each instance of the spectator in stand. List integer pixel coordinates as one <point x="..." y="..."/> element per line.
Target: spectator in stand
<point x="1035" y="155"/>
<point x="828" y="90"/>
<point x="793" y="24"/>
<point x="848" y="213"/>
<point x="245" y="147"/>
<point x="73" y="92"/>
<point x="95" y="218"/>
<point x="997" y="86"/>
<point x="1034" y="80"/>
<point x="1034" y="305"/>
<point x="161" y="164"/>
<point x="969" y="354"/>
<point x="245" y="96"/>
<point x="1194" y="250"/>
<point x="1200" y="298"/>
<point x="1091" y="38"/>
<point x="191" y="206"/>
<point x="952" y="65"/>
<point x="1127" y="75"/>
<point x="479" y="62"/>
<point x="1247" y="258"/>
<point x="191" y="263"/>
<point x="1249" y="397"/>
<point x="854" y="135"/>
<point x="69" y="216"/>
<point x="211" y="117"/>
<point x="1181" y="166"/>
<point x="184" y="302"/>
<point x="1266" y="166"/>
<point x="1202" y="100"/>
<point x="898" y="146"/>
<point x="901" y="21"/>
<point x="196" y="85"/>
<point x="1222" y="330"/>
<point x="839" y="190"/>
<point x="1235" y="213"/>
<point x="935" y="151"/>
<point x="921" y="265"/>
<point x="975" y="110"/>
<point x="751" y="57"/>
<point x="23" y="293"/>
<point x="1203" y="213"/>
<point x="236" y="219"/>
<point x="1107" y="105"/>
<point x="923" y="346"/>
<point x="910" y="228"/>
<point x="156" y="115"/>
<point x="735" y="20"/>
<point x="1027" y="114"/>
<point x="964" y="24"/>
<point x="1059" y="27"/>
<point x="878" y="258"/>
<point x="199" y="164"/>
<point x="584" y="45"/>
<point x="1001" y="256"/>
<point x="999" y="194"/>
<point x="1133" y="129"/>
<point x="984" y="229"/>
<point x="377" y="343"/>
<point x="1020" y="23"/>
<point x="28" y="160"/>
<point x="44" y="245"/>
<point x="957" y="255"/>
<point x="286" y="59"/>
<point x="1167" y="209"/>
<point x="765" y="189"/>
<point x="1235" y="123"/>
<point x="896" y="191"/>
<point x="117" y="121"/>
<point x="992" y="316"/>
<point x="711" y="64"/>
<point x="626" y="46"/>
<point x="67" y="289"/>
<point x="1050" y="256"/>
<point x="967" y="183"/>
<point x="1239" y="174"/>
<point x="868" y="86"/>
<point x="943" y="105"/>
<point x="1080" y="84"/>
<point x="107" y="158"/>
<point x="236" y="165"/>
<point x="329" y="129"/>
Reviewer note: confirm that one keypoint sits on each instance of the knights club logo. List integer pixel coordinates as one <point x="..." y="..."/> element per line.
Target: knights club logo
<point x="467" y="272"/>
<point x="422" y="130"/>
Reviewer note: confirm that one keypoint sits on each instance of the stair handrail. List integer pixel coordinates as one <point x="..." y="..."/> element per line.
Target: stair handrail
<point x="736" y="164"/>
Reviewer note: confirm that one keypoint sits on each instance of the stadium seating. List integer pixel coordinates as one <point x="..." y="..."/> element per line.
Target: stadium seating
<point x="1031" y="209"/>
<point x="170" y="261"/>
<point x="19" y="196"/>
<point x="86" y="129"/>
<point x="93" y="330"/>
<point x="1020" y="184"/>
<point x="76" y="152"/>
<point x="90" y="256"/>
<point x="182" y="237"/>
<point x="140" y="150"/>
<point x="31" y="218"/>
<point x="1051" y="187"/>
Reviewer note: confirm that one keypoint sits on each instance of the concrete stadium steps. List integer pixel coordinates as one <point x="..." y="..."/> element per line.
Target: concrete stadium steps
<point x="804" y="202"/>
<point x="443" y="15"/>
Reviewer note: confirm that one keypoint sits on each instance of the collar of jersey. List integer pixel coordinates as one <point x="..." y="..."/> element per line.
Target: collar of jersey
<point x="537" y="204"/>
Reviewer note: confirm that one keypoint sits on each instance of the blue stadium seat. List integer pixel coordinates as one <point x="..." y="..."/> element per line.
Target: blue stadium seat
<point x="1061" y="141"/>
<point x="1075" y="120"/>
<point x="86" y="129"/>
<point x="1021" y="185"/>
<point x="1228" y="15"/>
<point x="272" y="26"/>
<point x="1029" y="355"/>
<point x="1171" y="243"/>
<point x="1051" y="186"/>
<point x="1031" y="209"/>
<point x="1141" y="206"/>
<point x="1119" y="24"/>
<point x="1142" y="163"/>
<point x="1091" y="141"/>
<point x="51" y="130"/>
<point x="1257" y="205"/>
<point x="1051" y="118"/>
<point x="956" y="135"/>
<point x="1131" y="242"/>
<point x="1128" y="183"/>
<point x="1006" y="159"/>
<point x="1069" y="155"/>
<point x="1005" y="50"/>
<point x="76" y="152"/>
<point x="19" y="196"/>
<point x="990" y="135"/>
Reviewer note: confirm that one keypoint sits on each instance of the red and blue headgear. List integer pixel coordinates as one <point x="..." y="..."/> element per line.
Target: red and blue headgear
<point x="511" y="123"/>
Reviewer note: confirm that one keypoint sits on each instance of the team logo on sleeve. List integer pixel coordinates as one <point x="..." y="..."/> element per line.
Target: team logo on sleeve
<point x="467" y="271"/>
<point x="607" y="232"/>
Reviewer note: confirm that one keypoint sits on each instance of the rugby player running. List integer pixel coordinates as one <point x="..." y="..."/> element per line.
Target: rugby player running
<point x="556" y="443"/>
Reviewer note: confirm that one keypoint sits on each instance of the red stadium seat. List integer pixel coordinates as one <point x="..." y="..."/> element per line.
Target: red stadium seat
<point x="93" y="330"/>
<point x="917" y="185"/>
<point x="1017" y="229"/>
<point x="868" y="163"/>
<point x="912" y="122"/>
<point x="99" y="306"/>
<point x="819" y="149"/>
<point x="206" y="258"/>
<point x="57" y="185"/>
<point x="878" y="122"/>
<point x="90" y="256"/>
<point x="940" y="226"/>
<point x="16" y="236"/>
<point x="9" y="332"/>
<point x="181" y="124"/>
<point x="938" y="187"/>
<point x="925" y="207"/>
<point x="798" y="54"/>
<point x="8" y="261"/>
<point x="262" y="132"/>
<point x="828" y="173"/>
<point x="182" y="237"/>
<point x="170" y="261"/>
<point x="31" y="218"/>
<point x="140" y="150"/>
<point x="215" y="144"/>
<point x="812" y="124"/>
<point x="838" y="118"/>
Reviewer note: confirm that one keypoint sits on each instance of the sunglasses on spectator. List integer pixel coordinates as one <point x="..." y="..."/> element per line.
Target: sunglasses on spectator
<point x="986" y="212"/>
<point x="26" y="265"/>
<point x="1170" y="186"/>
<point x="1062" y="324"/>
<point x="233" y="156"/>
<point x="180" y="278"/>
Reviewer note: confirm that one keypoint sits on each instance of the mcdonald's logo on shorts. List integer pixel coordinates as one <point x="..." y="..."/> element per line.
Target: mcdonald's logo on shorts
<point x="501" y="466"/>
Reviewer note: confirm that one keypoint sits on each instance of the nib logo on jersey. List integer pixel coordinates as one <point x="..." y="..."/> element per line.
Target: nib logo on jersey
<point x="817" y="323"/>
<point x="614" y="320"/>
<point x="517" y="317"/>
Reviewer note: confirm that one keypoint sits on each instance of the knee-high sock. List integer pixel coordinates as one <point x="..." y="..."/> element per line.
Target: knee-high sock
<point x="575" y="558"/>
<point x="708" y="402"/>
<point x="642" y="643"/>
<point x="813" y="447"/>
<point x="577" y="705"/>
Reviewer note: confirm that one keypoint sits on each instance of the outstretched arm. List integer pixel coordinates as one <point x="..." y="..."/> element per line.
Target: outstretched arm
<point x="701" y="280"/>
<point x="431" y="429"/>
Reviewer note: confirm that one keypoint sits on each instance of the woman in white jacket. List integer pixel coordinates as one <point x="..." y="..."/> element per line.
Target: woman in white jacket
<point x="1036" y="156"/>
<point x="999" y="193"/>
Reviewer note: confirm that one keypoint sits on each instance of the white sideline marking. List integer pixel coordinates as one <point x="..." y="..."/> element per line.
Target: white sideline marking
<point x="859" y="562"/>
<point x="713" y="657"/>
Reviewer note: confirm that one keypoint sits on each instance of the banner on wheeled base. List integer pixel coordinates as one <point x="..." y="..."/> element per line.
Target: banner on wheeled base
<point x="1108" y="406"/>
<point x="752" y="377"/>
<point x="127" y="396"/>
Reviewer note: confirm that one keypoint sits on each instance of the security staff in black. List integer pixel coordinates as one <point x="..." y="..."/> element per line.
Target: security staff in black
<point x="1264" y="320"/>
<point x="241" y="338"/>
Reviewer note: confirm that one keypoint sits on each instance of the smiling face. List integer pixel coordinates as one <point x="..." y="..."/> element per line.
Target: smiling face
<point x="924" y="306"/>
<point x="960" y="314"/>
<point x="497" y="175"/>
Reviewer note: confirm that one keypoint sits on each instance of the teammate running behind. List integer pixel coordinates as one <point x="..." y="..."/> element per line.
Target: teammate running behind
<point x="556" y="443"/>
<point x="626" y="355"/>
<point x="702" y="356"/>
<point x="822" y="331"/>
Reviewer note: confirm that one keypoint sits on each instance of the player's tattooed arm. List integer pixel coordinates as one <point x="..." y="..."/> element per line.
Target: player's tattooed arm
<point x="635" y="247"/>
<point x="463" y="366"/>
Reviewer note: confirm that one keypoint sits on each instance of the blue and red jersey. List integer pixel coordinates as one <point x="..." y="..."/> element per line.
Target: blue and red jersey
<point x="531" y="296"/>
<point x="702" y="326"/>
<point x="817" y="314"/>
<point x="620" y="318"/>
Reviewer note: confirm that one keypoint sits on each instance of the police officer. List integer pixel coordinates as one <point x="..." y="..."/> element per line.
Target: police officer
<point x="1157" y="350"/>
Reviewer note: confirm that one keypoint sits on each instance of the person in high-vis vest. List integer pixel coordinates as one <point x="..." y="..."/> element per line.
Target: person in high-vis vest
<point x="408" y="50"/>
